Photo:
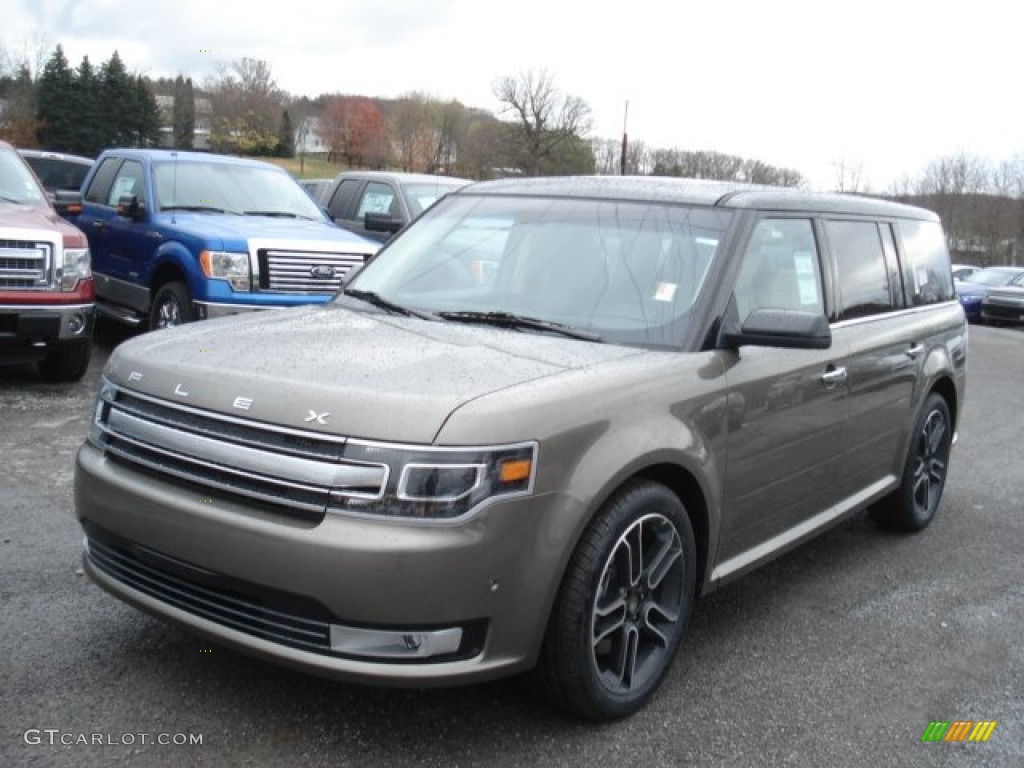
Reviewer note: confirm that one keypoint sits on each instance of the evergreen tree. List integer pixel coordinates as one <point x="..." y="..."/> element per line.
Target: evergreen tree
<point x="117" y="99"/>
<point x="144" y="120"/>
<point x="89" y="131"/>
<point x="184" y="113"/>
<point x="286" y="137"/>
<point x="55" y="103"/>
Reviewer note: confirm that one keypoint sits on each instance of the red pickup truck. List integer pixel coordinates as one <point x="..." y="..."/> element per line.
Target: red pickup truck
<point x="47" y="301"/>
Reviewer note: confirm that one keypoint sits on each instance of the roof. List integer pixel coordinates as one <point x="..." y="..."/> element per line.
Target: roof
<point x="187" y="156"/>
<point x="722" y="194"/>
<point x="56" y="156"/>
<point x="403" y="178"/>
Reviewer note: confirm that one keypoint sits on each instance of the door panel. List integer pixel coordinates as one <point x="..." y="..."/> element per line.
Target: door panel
<point x="788" y="407"/>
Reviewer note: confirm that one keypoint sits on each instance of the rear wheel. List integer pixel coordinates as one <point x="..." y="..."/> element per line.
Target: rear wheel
<point x="172" y="306"/>
<point x="68" y="361"/>
<point x="912" y="506"/>
<point x="623" y="606"/>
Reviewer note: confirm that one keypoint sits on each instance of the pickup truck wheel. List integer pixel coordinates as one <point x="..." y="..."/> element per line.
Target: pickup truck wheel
<point x="622" y="608"/>
<point x="172" y="306"/>
<point x="67" y="362"/>
<point x="912" y="506"/>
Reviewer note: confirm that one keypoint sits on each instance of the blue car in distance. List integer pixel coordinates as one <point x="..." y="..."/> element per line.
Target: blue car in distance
<point x="975" y="288"/>
<point x="182" y="236"/>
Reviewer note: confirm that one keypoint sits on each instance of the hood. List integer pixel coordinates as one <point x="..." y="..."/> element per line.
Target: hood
<point x="39" y="218"/>
<point x="229" y="226"/>
<point x="343" y="372"/>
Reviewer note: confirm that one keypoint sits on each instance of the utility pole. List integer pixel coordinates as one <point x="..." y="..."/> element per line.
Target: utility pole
<point x="622" y="158"/>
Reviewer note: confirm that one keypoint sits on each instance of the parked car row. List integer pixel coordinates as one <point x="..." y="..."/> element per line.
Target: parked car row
<point x="163" y="237"/>
<point x="975" y="289"/>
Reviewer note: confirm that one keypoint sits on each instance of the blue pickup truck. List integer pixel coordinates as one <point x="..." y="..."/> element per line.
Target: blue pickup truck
<point x="182" y="236"/>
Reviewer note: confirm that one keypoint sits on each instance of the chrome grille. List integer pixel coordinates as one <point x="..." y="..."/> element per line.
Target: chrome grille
<point x="26" y="264"/>
<point x="296" y="474"/>
<point x="303" y="271"/>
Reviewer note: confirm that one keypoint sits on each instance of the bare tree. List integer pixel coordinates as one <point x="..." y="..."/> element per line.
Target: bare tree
<point x="412" y="131"/>
<point x="547" y="118"/>
<point x="849" y="176"/>
<point x="246" y="107"/>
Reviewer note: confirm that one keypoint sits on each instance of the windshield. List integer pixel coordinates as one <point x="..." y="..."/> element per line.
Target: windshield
<point x="624" y="272"/>
<point x="17" y="184"/>
<point x="422" y="195"/>
<point x="230" y="188"/>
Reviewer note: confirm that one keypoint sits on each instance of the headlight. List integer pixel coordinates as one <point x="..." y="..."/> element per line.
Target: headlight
<point x="439" y="484"/>
<point x="225" y="265"/>
<point x="76" y="266"/>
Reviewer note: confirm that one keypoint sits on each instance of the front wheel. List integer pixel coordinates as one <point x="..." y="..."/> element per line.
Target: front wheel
<point x="68" y="361"/>
<point x="172" y="306"/>
<point x="622" y="608"/>
<point x="912" y="506"/>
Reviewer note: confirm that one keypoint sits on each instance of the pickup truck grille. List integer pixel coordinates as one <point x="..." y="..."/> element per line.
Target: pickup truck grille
<point x="304" y="272"/>
<point x="26" y="265"/>
<point x="281" y="471"/>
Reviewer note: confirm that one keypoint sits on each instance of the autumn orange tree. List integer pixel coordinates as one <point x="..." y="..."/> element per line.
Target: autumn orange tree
<point x="353" y="129"/>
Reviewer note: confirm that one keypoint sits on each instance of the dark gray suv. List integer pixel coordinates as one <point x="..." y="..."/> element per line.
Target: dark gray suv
<point x="532" y="432"/>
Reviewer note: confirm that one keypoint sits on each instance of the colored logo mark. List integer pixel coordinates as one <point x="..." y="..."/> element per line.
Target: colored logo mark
<point x="958" y="730"/>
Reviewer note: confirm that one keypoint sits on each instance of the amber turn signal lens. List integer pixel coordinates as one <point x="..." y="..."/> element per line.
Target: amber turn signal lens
<point x="514" y="470"/>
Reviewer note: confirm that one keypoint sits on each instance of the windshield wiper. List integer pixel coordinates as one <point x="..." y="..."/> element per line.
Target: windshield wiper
<point x="194" y="208"/>
<point x="510" y="320"/>
<point x="279" y="214"/>
<point x="7" y="199"/>
<point x="370" y="297"/>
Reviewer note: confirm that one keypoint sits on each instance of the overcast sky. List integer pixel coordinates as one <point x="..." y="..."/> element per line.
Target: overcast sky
<point x="885" y="86"/>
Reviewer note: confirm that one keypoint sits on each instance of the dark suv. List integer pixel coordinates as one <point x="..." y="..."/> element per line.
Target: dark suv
<point x="532" y="431"/>
<point x="377" y="204"/>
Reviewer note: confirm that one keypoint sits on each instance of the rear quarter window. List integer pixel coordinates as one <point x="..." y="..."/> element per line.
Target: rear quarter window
<point x="927" y="274"/>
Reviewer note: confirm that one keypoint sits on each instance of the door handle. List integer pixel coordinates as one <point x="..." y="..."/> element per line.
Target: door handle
<point x="833" y="377"/>
<point x="97" y="225"/>
<point x="915" y="351"/>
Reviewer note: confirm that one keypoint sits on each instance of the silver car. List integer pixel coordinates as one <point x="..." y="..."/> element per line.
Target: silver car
<point x="526" y="437"/>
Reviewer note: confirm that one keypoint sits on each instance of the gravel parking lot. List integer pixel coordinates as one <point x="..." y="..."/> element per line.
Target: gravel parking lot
<point x="839" y="653"/>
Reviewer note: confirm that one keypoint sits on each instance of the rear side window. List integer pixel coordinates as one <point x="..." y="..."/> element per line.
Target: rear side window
<point x="926" y="270"/>
<point x="864" y="287"/>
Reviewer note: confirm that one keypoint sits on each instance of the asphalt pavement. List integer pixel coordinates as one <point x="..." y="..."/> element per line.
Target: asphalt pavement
<point x="838" y="654"/>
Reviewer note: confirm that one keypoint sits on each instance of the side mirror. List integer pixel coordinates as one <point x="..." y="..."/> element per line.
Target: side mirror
<point x="787" y="328"/>
<point x="381" y="222"/>
<point x="130" y="207"/>
<point x="67" y="202"/>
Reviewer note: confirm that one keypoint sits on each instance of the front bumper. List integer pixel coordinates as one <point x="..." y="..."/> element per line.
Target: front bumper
<point x="492" y="577"/>
<point x="32" y="330"/>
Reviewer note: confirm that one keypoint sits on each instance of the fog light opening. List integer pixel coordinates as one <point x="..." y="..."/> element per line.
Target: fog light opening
<point x="76" y="324"/>
<point x="388" y="644"/>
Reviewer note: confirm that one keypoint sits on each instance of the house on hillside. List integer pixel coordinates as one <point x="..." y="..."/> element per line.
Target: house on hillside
<point x="203" y="111"/>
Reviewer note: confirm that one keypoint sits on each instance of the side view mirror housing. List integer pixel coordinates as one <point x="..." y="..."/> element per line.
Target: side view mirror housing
<point x="787" y="328"/>
<point x="130" y="207"/>
<point x="67" y="202"/>
<point x="381" y="222"/>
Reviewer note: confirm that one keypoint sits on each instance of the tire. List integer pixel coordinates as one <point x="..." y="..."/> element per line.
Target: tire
<point x="172" y="306"/>
<point x="68" y="362"/>
<point x="912" y="506"/>
<point x="615" y="629"/>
